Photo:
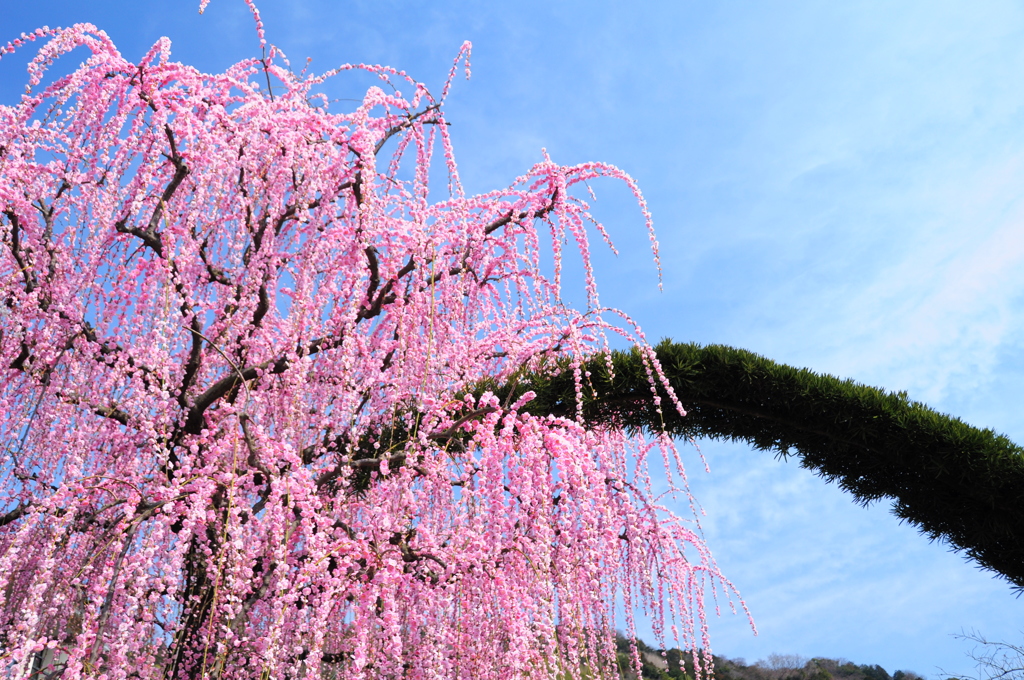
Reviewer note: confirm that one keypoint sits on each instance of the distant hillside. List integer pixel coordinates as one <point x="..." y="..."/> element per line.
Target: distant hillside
<point x="674" y="664"/>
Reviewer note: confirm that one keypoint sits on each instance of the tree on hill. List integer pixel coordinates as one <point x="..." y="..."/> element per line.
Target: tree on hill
<point x="675" y="664"/>
<point x="994" y="659"/>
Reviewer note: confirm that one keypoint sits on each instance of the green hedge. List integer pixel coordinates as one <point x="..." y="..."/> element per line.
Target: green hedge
<point x="952" y="481"/>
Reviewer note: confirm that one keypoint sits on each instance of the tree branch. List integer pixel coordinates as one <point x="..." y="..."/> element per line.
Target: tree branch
<point x="19" y="256"/>
<point x="180" y="173"/>
<point x="149" y="235"/>
<point x="392" y="131"/>
<point x="454" y="429"/>
<point x="255" y="461"/>
<point x="508" y="217"/>
<point x="15" y="514"/>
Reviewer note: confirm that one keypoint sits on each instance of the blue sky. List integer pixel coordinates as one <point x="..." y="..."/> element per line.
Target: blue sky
<point x="834" y="185"/>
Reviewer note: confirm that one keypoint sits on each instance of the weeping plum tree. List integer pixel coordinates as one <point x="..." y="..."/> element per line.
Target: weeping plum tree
<point x="239" y="340"/>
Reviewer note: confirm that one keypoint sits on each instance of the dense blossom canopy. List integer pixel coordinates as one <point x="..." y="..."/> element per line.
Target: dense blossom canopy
<point x="239" y="339"/>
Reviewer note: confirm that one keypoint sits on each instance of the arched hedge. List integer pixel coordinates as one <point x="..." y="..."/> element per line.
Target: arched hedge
<point x="956" y="483"/>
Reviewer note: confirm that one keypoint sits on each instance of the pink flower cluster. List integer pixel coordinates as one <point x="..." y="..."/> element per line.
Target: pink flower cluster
<point x="239" y="343"/>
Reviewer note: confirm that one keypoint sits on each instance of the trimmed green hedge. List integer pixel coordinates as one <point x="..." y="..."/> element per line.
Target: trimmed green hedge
<point x="952" y="481"/>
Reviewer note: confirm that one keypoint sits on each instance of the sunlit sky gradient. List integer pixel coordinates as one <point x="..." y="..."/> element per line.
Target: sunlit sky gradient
<point x="834" y="185"/>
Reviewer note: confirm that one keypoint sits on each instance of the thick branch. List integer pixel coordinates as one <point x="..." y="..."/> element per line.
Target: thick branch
<point x="180" y="173"/>
<point x="223" y="386"/>
<point x="255" y="461"/>
<point x="386" y="295"/>
<point x="511" y="216"/>
<point x="216" y="274"/>
<point x="392" y="131"/>
<point x="19" y="255"/>
<point x="454" y="429"/>
<point x="149" y="235"/>
<point x="371" y="261"/>
<point x="14" y="514"/>
<point x="114" y="414"/>
<point x="195" y="358"/>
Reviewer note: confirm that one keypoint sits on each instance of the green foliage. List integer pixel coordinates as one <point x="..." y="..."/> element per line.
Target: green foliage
<point x="658" y="664"/>
<point x="675" y="664"/>
<point x="953" y="482"/>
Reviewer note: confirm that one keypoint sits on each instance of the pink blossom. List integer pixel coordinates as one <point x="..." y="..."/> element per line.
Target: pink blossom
<point x="238" y="358"/>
